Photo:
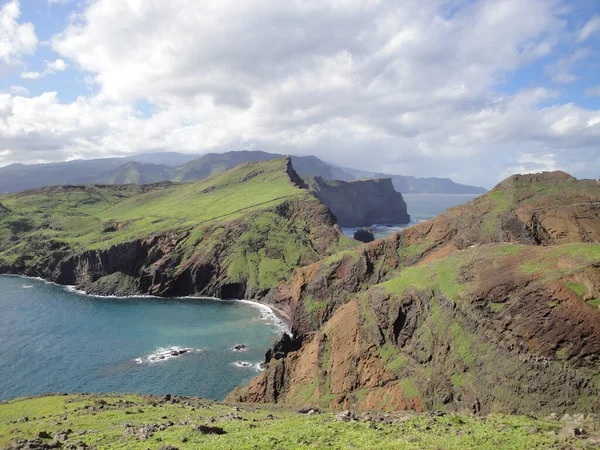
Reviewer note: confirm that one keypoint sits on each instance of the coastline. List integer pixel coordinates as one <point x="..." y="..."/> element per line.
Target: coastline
<point x="278" y="318"/>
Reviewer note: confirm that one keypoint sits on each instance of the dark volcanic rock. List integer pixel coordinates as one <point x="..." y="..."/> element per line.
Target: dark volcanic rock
<point x="364" y="235"/>
<point x="282" y="347"/>
<point x="361" y="203"/>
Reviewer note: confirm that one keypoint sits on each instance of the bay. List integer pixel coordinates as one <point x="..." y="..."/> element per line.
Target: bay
<point x="53" y="340"/>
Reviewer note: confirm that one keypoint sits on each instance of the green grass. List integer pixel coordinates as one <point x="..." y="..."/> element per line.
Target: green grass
<point x="440" y="275"/>
<point x="105" y="428"/>
<point x="544" y="261"/>
<point x="311" y="305"/>
<point x="81" y="216"/>
<point x="496" y="307"/>
<point x="578" y="288"/>
<point x="393" y="357"/>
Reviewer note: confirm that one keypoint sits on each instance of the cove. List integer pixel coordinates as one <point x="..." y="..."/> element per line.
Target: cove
<point x="54" y="340"/>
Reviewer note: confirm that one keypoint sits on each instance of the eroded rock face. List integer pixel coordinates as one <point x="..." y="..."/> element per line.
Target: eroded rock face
<point x="509" y="344"/>
<point x="511" y="333"/>
<point x="361" y="203"/>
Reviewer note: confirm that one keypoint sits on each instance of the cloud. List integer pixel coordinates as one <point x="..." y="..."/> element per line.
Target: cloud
<point x="16" y="39"/>
<point x="593" y="91"/>
<point x="590" y="28"/>
<point x="561" y="70"/>
<point x="399" y="87"/>
<point x="32" y="75"/>
<point x="19" y="90"/>
<point x="51" y="67"/>
<point x="56" y="66"/>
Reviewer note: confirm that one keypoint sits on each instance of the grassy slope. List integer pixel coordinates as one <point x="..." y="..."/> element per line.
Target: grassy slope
<point x="80" y="217"/>
<point x="229" y="216"/>
<point x="103" y="419"/>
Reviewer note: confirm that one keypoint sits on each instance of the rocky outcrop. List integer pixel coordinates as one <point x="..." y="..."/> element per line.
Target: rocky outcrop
<point x="364" y="235"/>
<point x="361" y="203"/>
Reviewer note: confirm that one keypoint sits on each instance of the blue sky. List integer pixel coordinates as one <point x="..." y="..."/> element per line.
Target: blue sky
<point x="472" y="90"/>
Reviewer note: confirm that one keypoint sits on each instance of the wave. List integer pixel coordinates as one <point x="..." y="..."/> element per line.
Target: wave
<point x="258" y="367"/>
<point x="163" y="354"/>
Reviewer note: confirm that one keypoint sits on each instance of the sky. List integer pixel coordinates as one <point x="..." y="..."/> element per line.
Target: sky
<point x="473" y="90"/>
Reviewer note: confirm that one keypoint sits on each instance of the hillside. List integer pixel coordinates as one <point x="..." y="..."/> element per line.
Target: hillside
<point x="150" y="168"/>
<point x="136" y="422"/>
<point x="236" y="234"/>
<point x="136" y="173"/>
<point x="360" y="203"/>
<point x="466" y="312"/>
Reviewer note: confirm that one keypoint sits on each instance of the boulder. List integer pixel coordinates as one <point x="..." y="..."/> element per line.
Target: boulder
<point x="364" y="235"/>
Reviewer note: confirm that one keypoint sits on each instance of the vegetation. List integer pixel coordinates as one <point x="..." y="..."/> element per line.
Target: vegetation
<point x="239" y="221"/>
<point x="120" y="421"/>
<point x="94" y="217"/>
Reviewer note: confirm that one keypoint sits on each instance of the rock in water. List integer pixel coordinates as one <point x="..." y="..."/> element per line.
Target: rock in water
<point x="364" y="235"/>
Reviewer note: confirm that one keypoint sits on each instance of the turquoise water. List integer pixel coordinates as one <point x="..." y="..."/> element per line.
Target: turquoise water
<point x="53" y="340"/>
<point x="420" y="207"/>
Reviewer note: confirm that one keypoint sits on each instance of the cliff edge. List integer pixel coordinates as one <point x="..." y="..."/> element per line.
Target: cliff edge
<point x="361" y="203"/>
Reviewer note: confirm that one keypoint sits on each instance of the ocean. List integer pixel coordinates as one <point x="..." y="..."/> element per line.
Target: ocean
<point x="421" y="207"/>
<point x="54" y="340"/>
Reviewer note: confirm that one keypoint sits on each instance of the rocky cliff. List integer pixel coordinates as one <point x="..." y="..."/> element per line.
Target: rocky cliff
<point x="234" y="235"/>
<point x="361" y="203"/>
<point x="467" y="312"/>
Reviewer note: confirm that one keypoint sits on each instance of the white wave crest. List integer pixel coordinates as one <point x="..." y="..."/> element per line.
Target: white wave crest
<point x="162" y="354"/>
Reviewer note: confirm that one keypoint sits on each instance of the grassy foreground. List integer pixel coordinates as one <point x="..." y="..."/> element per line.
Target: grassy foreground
<point x="141" y="422"/>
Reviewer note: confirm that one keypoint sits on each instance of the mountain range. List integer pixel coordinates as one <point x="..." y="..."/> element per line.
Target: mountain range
<point x="150" y="168"/>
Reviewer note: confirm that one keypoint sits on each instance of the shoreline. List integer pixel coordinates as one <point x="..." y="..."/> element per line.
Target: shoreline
<point x="280" y="320"/>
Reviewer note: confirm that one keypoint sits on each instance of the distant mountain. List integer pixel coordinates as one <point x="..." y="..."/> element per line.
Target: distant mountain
<point x="213" y="163"/>
<point x="171" y="159"/>
<point x="169" y="166"/>
<point x="137" y="173"/>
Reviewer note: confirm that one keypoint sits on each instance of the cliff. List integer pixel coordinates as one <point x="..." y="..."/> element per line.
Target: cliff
<point x="361" y="203"/>
<point x="490" y="307"/>
<point x="237" y="234"/>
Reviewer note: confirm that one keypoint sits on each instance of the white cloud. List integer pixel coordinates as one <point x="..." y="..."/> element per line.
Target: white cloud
<point x="19" y="90"/>
<point x="593" y="91"/>
<point x="56" y="66"/>
<point x="32" y="75"/>
<point x="51" y="67"/>
<point x="561" y="70"/>
<point x="16" y="39"/>
<point x="403" y="87"/>
<point x="590" y="28"/>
